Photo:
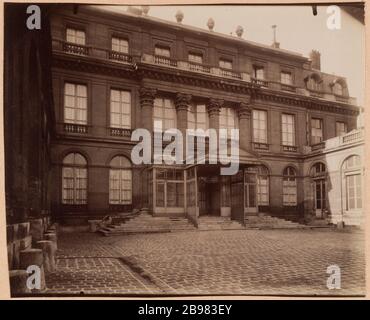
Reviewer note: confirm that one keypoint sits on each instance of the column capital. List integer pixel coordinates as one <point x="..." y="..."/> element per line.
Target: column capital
<point x="214" y="106"/>
<point x="147" y="95"/>
<point x="182" y="101"/>
<point x="244" y="110"/>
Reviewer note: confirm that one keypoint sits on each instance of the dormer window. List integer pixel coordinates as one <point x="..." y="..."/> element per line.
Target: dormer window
<point x="286" y="78"/>
<point x="258" y="72"/>
<point x="338" y="89"/>
<point x="225" y="64"/>
<point x="314" y="83"/>
<point x="162" y="51"/>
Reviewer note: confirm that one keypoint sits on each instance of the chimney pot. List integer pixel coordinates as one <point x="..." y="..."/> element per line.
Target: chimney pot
<point x="315" y="57"/>
<point x="239" y="31"/>
<point x="179" y="16"/>
<point x="210" y="24"/>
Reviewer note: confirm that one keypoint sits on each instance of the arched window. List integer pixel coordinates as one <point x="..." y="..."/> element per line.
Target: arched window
<point x="289" y="187"/>
<point x="74" y="178"/>
<point x="263" y="186"/>
<point x="352" y="176"/>
<point x="314" y="83"/>
<point x="318" y="169"/>
<point x="338" y="89"/>
<point x="318" y="176"/>
<point x="120" y="181"/>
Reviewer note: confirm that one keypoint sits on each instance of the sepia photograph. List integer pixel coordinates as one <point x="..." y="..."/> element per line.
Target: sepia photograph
<point x="201" y="150"/>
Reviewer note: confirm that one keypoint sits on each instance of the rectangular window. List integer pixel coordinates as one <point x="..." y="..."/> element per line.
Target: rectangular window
<point x="164" y="110"/>
<point x="74" y="185"/>
<point x="119" y="45"/>
<point x="198" y="117"/>
<point x="75" y="103"/>
<point x="288" y="129"/>
<point x="225" y="64"/>
<point x="258" y="72"/>
<point x="316" y="131"/>
<point x="162" y="51"/>
<point x="286" y="78"/>
<point x="263" y="191"/>
<point x="354" y="192"/>
<point x="341" y="128"/>
<point x="195" y="57"/>
<point x="260" y="126"/>
<point x="75" y="36"/>
<point x="228" y="120"/>
<point x="289" y="192"/>
<point x="120" y="109"/>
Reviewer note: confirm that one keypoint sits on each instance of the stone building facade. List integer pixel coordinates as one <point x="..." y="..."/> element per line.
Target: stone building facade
<point x="114" y="72"/>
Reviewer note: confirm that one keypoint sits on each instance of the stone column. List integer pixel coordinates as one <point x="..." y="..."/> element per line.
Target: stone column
<point x="147" y="96"/>
<point x="245" y="131"/>
<point x="214" y="108"/>
<point x="182" y="103"/>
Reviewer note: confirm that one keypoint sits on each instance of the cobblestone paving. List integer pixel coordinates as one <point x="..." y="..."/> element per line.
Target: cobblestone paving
<point x="253" y="262"/>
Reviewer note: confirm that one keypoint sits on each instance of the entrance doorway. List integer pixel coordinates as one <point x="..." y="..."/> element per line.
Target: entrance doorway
<point x="209" y="196"/>
<point x="250" y="189"/>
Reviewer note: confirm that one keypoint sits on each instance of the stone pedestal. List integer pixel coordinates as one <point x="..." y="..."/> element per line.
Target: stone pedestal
<point x="33" y="257"/>
<point x="18" y="282"/>
<point x="48" y="250"/>
<point x="51" y="236"/>
<point x="36" y="229"/>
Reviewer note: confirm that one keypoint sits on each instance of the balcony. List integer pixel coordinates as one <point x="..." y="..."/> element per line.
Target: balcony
<point x="318" y="146"/>
<point x="230" y="74"/>
<point x="289" y="148"/>
<point x="341" y="98"/>
<point x="260" y="146"/>
<point x="199" y="67"/>
<point x="119" y="56"/>
<point x="316" y="94"/>
<point x="287" y="87"/>
<point x="260" y="82"/>
<point x="75" y="128"/>
<point x="120" y="132"/>
<point x="74" y="48"/>
<point x="352" y="137"/>
<point x="165" y="61"/>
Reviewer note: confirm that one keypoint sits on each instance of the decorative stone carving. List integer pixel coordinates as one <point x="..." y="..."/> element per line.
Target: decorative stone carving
<point x="214" y="106"/>
<point x="244" y="111"/>
<point x="210" y="24"/>
<point x="182" y="101"/>
<point x="147" y="96"/>
<point x="179" y="16"/>
<point x="145" y="9"/>
<point x="239" y="31"/>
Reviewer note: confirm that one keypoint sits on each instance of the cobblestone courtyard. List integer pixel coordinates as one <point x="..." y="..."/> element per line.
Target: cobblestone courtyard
<point x="269" y="262"/>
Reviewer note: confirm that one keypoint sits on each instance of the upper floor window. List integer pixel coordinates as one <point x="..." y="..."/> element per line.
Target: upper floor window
<point x="75" y="103"/>
<point x="75" y="36"/>
<point x="341" y="128"/>
<point x="288" y="129"/>
<point x="286" y="78"/>
<point x="198" y="117"/>
<point x="119" y="45"/>
<point x="195" y="57"/>
<point x="74" y="179"/>
<point x="164" y="111"/>
<point x="225" y="64"/>
<point x="228" y="120"/>
<point x="259" y="72"/>
<point x="162" y="51"/>
<point x="316" y="131"/>
<point x="120" y="109"/>
<point x="338" y="89"/>
<point x="260" y="126"/>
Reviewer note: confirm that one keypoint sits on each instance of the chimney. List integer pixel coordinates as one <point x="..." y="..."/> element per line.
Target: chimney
<point x="315" y="57"/>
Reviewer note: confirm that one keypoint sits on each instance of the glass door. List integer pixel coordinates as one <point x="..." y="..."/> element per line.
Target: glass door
<point x="250" y="189"/>
<point x="320" y="197"/>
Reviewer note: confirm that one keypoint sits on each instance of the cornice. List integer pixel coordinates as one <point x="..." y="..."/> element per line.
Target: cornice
<point x="140" y="71"/>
